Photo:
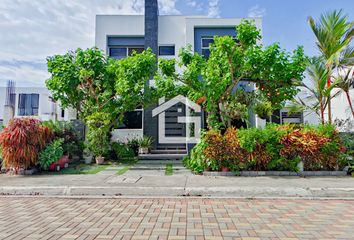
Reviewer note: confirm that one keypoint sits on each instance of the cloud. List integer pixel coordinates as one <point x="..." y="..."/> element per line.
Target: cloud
<point x="32" y="30"/>
<point x="168" y="7"/>
<point x="213" y="10"/>
<point x="195" y="5"/>
<point x="23" y="74"/>
<point x="256" y="12"/>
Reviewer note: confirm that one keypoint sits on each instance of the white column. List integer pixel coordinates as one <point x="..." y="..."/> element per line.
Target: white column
<point x="72" y="114"/>
<point x="8" y="114"/>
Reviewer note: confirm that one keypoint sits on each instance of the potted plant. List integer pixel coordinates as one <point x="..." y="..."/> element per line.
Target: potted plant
<point x="145" y="144"/>
<point x="97" y="136"/>
<point x="87" y="155"/>
<point x="98" y="144"/>
<point x="263" y="109"/>
<point x="133" y="144"/>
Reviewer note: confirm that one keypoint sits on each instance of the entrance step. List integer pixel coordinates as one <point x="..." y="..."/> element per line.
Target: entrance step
<point x="169" y="151"/>
<point x="177" y="156"/>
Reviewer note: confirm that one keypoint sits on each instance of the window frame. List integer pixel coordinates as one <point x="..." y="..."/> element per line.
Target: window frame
<point x="208" y="48"/>
<point x="142" y="120"/>
<point x="127" y="48"/>
<point x="167" y="45"/>
<point x="205" y="48"/>
<point x="32" y="108"/>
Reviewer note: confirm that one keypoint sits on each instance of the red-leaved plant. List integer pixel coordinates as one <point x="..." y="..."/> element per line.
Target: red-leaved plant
<point x="21" y="142"/>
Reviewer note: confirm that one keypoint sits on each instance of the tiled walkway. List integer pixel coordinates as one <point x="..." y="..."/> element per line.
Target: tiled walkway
<point x="189" y="218"/>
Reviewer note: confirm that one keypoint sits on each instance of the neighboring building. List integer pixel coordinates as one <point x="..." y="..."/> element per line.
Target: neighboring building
<point x="34" y="102"/>
<point x="119" y="35"/>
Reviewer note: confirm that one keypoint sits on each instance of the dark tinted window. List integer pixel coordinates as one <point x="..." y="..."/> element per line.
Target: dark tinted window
<point x="206" y="52"/>
<point x="206" y="42"/>
<point x="167" y="50"/>
<point x="28" y="104"/>
<point x="137" y="50"/>
<point x="132" y="120"/>
<point x="118" y="53"/>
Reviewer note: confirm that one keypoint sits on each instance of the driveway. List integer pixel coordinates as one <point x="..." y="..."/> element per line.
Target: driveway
<point x="174" y="218"/>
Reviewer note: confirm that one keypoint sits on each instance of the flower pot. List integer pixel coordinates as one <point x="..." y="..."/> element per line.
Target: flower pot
<point x="225" y="169"/>
<point x="88" y="159"/>
<point x="300" y="166"/>
<point x="143" y="150"/>
<point x="99" y="160"/>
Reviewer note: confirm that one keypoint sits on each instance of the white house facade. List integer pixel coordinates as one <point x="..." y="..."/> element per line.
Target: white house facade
<point x="119" y="35"/>
<point x="31" y="102"/>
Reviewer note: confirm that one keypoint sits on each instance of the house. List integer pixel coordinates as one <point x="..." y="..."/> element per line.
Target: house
<point x="182" y="116"/>
<point x="119" y="35"/>
<point x="29" y="101"/>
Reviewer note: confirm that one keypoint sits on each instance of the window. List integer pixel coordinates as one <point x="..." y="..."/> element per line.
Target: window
<point x="135" y="49"/>
<point x="62" y="113"/>
<point x="118" y="53"/>
<point x="167" y="50"/>
<point x="292" y="118"/>
<point x="122" y="52"/>
<point x="206" y="41"/>
<point x="132" y="120"/>
<point x="28" y="104"/>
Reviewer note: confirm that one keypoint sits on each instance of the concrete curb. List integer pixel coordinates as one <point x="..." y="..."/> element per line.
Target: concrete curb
<point x="277" y="173"/>
<point x="233" y="192"/>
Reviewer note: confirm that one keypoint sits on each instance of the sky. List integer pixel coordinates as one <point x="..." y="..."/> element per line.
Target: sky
<point x="31" y="30"/>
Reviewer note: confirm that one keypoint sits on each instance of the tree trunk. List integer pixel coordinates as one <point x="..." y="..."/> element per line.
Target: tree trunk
<point x="329" y="99"/>
<point x="350" y="102"/>
<point x="322" y="111"/>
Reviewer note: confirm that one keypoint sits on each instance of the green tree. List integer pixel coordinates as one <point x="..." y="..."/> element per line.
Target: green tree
<point x="317" y="91"/>
<point x="81" y="80"/>
<point x="345" y="81"/>
<point x="91" y="82"/>
<point x="211" y="82"/>
<point x="333" y="34"/>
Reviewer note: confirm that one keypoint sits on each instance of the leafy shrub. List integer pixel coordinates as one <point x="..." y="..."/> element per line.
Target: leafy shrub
<point x="319" y="148"/>
<point x="215" y="149"/>
<point x="133" y="144"/>
<point x="276" y="147"/>
<point x="97" y="136"/>
<point x="197" y="162"/>
<point x="122" y="150"/>
<point x="236" y="155"/>
<point x="263" y="109"/>
<point x="52" y="153"/>
<point x="145" y="142"/>
<point x="72" y="144"/>
<point x="21" y="142"/>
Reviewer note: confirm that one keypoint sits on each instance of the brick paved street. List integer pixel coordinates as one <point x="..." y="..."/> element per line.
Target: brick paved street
<point x="189" y="218"/>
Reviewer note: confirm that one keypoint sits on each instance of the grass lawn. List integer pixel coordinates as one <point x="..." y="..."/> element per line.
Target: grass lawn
<point x="169" y="169"/>
<point x="127" y="163"/>
<point x="80" y="169"/>
<point x="123" y="170"/>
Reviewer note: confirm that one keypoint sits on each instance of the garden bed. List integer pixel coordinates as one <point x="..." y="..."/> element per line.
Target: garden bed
<point x="277" y="173"/>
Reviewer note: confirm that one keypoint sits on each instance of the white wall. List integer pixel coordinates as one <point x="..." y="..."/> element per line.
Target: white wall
<point x="2" y="101"/>
<point x="117" y="25"/>
<point x="123" y="135"/>
<point x="176" y="30"/>
<point x="340" y="106"/>
<point x="47" y="109"/>
<point x="193" y="22"/>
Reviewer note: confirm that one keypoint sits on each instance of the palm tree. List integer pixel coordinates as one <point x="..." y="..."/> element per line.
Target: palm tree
<point x="317" y="91"/>
<point x="345" y="81"/>
<point x="334" y="34"/>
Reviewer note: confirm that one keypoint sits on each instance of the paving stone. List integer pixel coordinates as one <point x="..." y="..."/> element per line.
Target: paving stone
<point x="190" y="218"/>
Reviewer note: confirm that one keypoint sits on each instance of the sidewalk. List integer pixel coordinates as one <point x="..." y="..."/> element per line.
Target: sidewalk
<point x="170" y="218"/>
<point x="150" y="180"/>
